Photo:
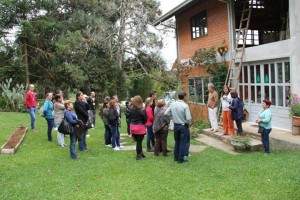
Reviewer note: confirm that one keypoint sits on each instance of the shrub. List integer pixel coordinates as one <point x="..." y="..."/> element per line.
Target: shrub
<point x="12" y="98"/>
<point x="198" y="126"/>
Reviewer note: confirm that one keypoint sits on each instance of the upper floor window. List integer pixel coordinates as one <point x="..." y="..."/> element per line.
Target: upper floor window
<point x="199" y="25"/>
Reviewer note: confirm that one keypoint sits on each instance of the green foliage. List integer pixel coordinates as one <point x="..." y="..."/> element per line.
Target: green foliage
<point x="218" y="75"/>
<point x="294" y="105"/>
<point x="12" y="98"/>
<point x="141" y="86"/>
<point x="199" y="125"/>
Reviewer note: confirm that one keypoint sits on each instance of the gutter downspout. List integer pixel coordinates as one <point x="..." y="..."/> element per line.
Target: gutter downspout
<point x="231" y="27"/>
<point x="177" y="39"/>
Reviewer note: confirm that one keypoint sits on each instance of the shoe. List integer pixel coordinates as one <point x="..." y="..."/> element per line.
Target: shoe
<point x="267" y="154"/>
<point x="55" y="129"/>
<point x="149" y="150"/>
<point x="156" y="154"/>
<point x="65" y="145"/>
<point x="143" y="155"/>
<point x="121" y="147"/>
<point x="88" y="135"/>
<point x="182" y="161"/>
<point x="175" y="159"/>
<point x="108" y="145"/>
<point x="165" y="155"/>
<point x="140" y="157"/>
<point x="225" y="133"/>
<point x="34" y="130"/>
<point x="116" y="149"/>
<point x="169" y="151"/>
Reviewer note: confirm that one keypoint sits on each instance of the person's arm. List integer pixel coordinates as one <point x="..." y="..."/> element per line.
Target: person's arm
<point x="144" y="116"/>
<point x="233" y="105"/>
<point x="188" y="115"/>
<point x="216" y="99"/>
<point x="168" y="112"/>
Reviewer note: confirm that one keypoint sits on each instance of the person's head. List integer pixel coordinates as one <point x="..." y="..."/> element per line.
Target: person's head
<point x="49" y="95"/>
<point x="234" y="94"/>
<point x="148" y="102"/>
<point x="181" y="95"/>
<point x="59" y="92"/>
<point x="226" y="89"/>
<point x="161" y="103"/>
<point x="93" y="94"/>
<point x="116" y="98"/>
<point x="107" y="99"/>
<point x="79" y="96"/>
<point x="137" y="102"/>
<point x="127" y="104"/>
<point x="68" y="105"/>
<point x="58" y="98"/>
<point x="266" y="104"/>
<point x="211" y="87"/>
<point x="152" y="95"/>
<point x="112" y="103"/>
<point x="31" y="87"/>
<point x="105" y="104"/>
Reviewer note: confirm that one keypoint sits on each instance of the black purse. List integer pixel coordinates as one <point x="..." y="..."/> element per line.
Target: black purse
<point x="65" y="127"/>
<point x="260" y="129"/>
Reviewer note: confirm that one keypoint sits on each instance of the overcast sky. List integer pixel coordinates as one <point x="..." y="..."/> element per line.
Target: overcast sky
<point x="169" y="51"/>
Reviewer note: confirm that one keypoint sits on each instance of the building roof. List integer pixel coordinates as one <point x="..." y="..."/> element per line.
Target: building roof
<point x="174" y="11"/>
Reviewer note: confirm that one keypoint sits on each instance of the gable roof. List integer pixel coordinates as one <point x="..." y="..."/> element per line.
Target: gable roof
<point x="181" y="7"/>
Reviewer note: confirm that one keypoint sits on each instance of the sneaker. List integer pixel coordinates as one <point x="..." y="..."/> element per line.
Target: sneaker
<point x="34" y="130"/>
<point x="121" y="147"/>
<point x="88" y="135"/>
<point x="108" y="145"/>
<point x="116" y="149"/>
<point x="55" y="128"/>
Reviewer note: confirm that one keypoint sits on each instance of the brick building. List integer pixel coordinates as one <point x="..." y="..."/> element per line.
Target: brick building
<point x="271" y="58"/>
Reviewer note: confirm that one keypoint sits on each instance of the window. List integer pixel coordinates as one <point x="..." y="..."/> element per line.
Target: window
<point x="198" y="92"/>
<point x="252" y="38"/>
<point x="259" y="4"/>
<point x="199" y="25"/>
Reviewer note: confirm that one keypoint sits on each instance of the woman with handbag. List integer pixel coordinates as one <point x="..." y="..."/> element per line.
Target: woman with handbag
<point x="226" y="112"/>
<point x="59" y="110"/>
<point x="138" y="118"/>
<point x="161" y="128"/>
<point x="72" y="119"/>
<point x="265" y="125"/>
<point x="113" y="121"/>
<point x="81" y="109"/>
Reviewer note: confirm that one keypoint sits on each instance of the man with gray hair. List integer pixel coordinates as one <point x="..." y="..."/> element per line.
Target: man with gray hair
<point x="213" y="101"/>
<point x="180" y="113"/>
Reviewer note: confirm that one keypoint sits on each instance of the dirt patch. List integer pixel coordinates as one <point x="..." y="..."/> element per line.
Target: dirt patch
<point x="15" y="138"/>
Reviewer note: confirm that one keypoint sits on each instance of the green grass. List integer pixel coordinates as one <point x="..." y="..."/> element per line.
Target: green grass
<point x="42" y="170"/>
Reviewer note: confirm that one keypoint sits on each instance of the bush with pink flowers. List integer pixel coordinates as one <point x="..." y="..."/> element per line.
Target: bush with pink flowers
<point x="294" y="105"/>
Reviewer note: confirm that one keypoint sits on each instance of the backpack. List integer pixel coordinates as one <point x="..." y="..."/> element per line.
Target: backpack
<point x="41" y="111"/>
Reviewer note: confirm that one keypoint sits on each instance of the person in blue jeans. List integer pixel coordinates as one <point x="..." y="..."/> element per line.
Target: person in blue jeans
<point x="81" y="109"/>
<point x="48" y="113"/>
<point x="180" y="113"/>
<point x="30" y="101"/>
<point x="265" y="120"/>
<point x="72" y="119"/>
<point x="113" y="121"/>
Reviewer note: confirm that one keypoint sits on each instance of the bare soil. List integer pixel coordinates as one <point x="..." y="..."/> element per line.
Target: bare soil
<point x="15" y="138"/>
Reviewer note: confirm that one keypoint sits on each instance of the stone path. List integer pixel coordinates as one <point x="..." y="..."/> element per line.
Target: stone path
<point x="216" y="144"/>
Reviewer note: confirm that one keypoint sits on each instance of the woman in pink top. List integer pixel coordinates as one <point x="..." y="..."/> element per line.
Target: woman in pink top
<point x="150" y="134"/>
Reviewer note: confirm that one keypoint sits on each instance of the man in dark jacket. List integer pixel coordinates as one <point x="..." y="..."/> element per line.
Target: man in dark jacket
<point x="91" y="101"/>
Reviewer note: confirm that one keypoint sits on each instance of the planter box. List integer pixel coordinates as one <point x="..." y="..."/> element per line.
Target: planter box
<point x="12" y="144"/>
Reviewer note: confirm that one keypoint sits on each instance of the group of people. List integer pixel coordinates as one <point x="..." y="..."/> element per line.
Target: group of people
<point x="150" y="118"/>
<point x="233" y="110"/>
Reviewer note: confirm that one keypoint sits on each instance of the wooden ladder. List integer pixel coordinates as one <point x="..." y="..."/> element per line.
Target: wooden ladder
<point x="234" y="71"/>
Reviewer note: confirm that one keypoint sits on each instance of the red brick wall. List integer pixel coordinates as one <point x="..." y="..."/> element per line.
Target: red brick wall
<point x="217" y="26"/>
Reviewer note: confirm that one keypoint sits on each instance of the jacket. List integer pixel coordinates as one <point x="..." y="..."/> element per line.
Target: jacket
<point x="105" y="116"/>
<point x="77" y="124"/>
<point x="91" y="103"/>
<point x="150" y="117"/>
<point x="48" y="109"/>
<point x="81" y="109"/>
<point x="161" y="121"/>
<point x="113" y="117"/>
<point x="30" y="99"/>
<point x="59" y="110"/>
<point x="137" y="116"/>
<point x="266" y="117"/>
<point x="237" y="109"/>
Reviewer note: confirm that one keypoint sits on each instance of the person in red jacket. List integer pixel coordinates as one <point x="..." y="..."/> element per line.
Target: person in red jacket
<point x="30" y="101"/>
<point x="149" y="124"/>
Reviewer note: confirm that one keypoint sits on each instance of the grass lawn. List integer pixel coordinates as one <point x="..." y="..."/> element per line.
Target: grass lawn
<point x="42" y="170"/>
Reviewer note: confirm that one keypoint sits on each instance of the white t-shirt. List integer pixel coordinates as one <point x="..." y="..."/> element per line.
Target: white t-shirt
<point x="225" y="99"/>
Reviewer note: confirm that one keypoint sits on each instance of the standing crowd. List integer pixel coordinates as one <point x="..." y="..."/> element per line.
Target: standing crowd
<point x="148" y="118"/>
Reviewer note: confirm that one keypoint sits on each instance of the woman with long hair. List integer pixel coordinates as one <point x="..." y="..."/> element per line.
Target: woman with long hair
<point x="81" y="109"/>
<point x="149" y="123"/>
<point x="226" y="112"/>
<point x="138" y="118"/>
<point x="113" y="121"/>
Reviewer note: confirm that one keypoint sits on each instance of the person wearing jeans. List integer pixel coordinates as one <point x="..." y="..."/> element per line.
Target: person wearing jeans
<point x="138" y="118"/>
<point x="265" y="120"/>
<point x="236" y="107"/>
<point x="180" y="113"/>
<point x="113" y="121"/>
<point x="48" y="113"/>
<point x="149" y="123"/>
<point x="59" y="111"/>
<point x="30" y="101"/>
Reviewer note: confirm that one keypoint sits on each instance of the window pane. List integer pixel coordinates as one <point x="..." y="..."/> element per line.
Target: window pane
<point x="279" y="73"/>
<point x="272" y="73"/>
<point x="280" y="96"/>
<point x="259" y="95"/>
<point x="246" y="92"/>
<point x="252" y="94"/>
<point x="258" y="75"/>
<point x="245" y="74"/>
<point x="287" y="93"/>
<point x="266" y="74"/>
<point x="273" y="99"/>
<point x="241" y="94"/>
<point x="252" y="75"/>
<point x="267" y="93"/>
<point x="287" y="72"/>
<point x="205" y="94"/>
<point x="199" y="90"/>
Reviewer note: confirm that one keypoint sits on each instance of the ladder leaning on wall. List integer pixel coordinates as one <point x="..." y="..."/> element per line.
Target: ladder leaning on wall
<point x="236" y="63"/>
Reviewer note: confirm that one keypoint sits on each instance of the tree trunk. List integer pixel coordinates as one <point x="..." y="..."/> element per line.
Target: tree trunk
<point x="26" y="64"/>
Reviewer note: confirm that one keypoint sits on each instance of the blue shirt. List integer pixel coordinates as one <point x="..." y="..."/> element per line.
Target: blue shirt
<point x="180" y="112"/>
<point x="71" y="117"/>
<point x="48" y="109"/>
<point x="266" y="117"/>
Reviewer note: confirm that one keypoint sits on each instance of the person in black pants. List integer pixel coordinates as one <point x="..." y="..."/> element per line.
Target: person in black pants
<point x="128" y="106"/>
<point x="138" y="118"/>
<point x="81" y="109"/>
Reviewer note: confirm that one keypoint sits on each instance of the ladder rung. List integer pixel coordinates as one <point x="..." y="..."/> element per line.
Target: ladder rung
<point x="234" y="68"/>
<point x="239" y="49"/>
<point x="245" y="19"/>
<point x="233" y="78"/>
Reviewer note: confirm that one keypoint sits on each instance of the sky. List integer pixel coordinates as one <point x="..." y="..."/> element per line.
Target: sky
<point x="169" y="51"/>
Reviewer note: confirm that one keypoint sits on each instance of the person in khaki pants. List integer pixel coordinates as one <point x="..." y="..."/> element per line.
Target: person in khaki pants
<point x="213" y="101"/>
<point x="226" y="112"/>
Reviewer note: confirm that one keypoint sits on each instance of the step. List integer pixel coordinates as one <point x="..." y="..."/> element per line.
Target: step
<point x="255" y="145"/>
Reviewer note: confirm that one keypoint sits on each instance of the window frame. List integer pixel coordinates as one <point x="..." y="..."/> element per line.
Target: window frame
<point x="198" y="19"/>
<point x="204" y="84"/>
